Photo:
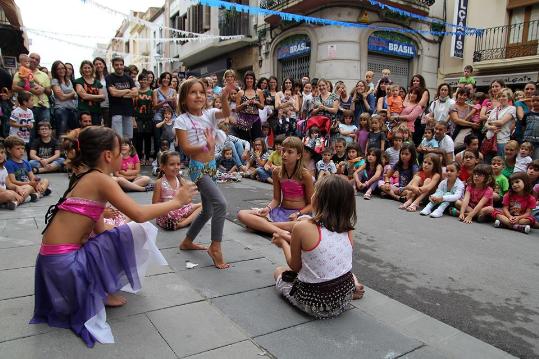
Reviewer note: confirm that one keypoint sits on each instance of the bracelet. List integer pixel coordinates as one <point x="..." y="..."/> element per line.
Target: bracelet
<point x="268" y="207"/>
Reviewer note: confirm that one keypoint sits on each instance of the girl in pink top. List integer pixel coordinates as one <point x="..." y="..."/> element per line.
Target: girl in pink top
<point x="412" y="109"/>
<point x="478" y="197"/>
<point x="518" y="204"/>
<point x="128" y="177"/>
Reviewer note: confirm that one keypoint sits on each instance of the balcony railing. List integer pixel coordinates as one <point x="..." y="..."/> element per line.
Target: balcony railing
<point x="233" y="23"/>
<point x="506" y="42"/>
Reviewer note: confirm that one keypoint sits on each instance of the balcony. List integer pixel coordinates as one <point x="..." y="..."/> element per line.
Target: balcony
<point x="233" y="23"/>
<point x="507" y="42"/>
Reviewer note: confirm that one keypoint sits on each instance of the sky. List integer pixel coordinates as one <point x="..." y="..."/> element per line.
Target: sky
<point x="73" y="17"/>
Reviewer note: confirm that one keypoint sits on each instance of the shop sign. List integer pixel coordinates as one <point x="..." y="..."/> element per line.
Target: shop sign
<point x="391" y="47"/>
<point x="10" y="61"/>
<point x="293" y="49"/>
<point x="457" y="40"/>
<point x="509" y="79"/>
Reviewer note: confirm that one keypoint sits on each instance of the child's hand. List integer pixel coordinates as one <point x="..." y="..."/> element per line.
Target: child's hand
<point x="210" y="139"/>
<point x="186" y="193"/>
<point x="468" y="219"/>
<point x="262" y="212"/>
<point x="462" y="216"/>
<point x="20" y="191"/>
<point x="279" y="240"/>
<point x="513" y="220"/>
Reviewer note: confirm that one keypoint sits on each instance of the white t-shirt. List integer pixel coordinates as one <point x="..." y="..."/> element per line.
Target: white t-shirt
<point x="505" y="132"/>
<point x="440" y="110"/>
<point x="196" y="125"/>
<point x="21" y="117"/>
<point x="3" y="177"/>
<point x="447" y="145"/>
<point x="393" y="155"/>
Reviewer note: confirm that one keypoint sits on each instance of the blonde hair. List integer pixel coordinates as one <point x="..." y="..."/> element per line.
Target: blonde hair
<point x="296" y="144"/>
<point x="229" y="72"/>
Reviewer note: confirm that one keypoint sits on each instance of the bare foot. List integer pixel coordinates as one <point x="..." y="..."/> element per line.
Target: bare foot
<point x="405" y="204"/>
<point x="115" y="300"/>
<point x="188" y="245"/>
<point x="217" y="257"/>
<point x="358" y="292"/>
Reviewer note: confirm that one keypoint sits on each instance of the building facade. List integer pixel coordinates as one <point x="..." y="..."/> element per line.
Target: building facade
<point x="506" y="50"/>
<point x="13" y="40"/>
<point x="289" y="49"/>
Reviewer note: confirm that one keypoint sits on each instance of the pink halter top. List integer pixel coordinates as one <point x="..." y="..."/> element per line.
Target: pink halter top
<point x="84" y="207"/>
<point x="292" y="189"/>
<point x="167" y="191"/>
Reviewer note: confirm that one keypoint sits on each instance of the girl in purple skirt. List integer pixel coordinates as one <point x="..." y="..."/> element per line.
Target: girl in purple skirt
<point x="292" y="191"/>
<point x="76" y="276"/>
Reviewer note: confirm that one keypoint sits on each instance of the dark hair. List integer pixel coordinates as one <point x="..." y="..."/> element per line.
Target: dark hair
<point x="378" y="153"/>
<point x="117" y="58"/>
<point x="463" y="91"/>
<point x="455" y="164"/>
<point x="105" y="69"/>
<point x="417" y="91"/>
<point x="163" y="160"/>
<point x="449" y="92"/>
<point x="501" y="82"/>
<point x="353" y="146"/>
<point x="479" y="96"/>
<point x="259" y="82"/>
<point x="279" y="139"/>
<point x="44" y="124"/>
<point x="410" y="148"/>
<point x="264" y="148"/>
<point x="276" y="82"/>
<point x="340" y="140"/>
<point x="23" y="96"/>
<point x="534" y="164"/>
<point x="422" y="83"/>
<point x="332" y="206"/>
<point x="314" y="81"/>
<point x="127" y="141"/>
<point x="89" y="144"/>
<point x="485" y="170"/>
<point x="142" y="76"/>
<point x="326" y="150"/>
<point x="12" y="141"/>
<point x="247" y="74"/>
<point x="133" y="68"/>
<point x="469" y="68"/>
<point x="379" y="92"/>
<point x="469" y="138"/>
<point x="291" y="83"/>
<point x="54" y="72"/>
<point x="429" y="128"/>
<point x="528" y="186"/>
<point x="84" y="113"/>
<point x="313" y="129"/>
<point x="163" y="75"/>
<point x="86" y="62"/>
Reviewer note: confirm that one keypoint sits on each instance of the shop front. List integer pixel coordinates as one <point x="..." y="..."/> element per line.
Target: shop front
<point x="293" y="57"/>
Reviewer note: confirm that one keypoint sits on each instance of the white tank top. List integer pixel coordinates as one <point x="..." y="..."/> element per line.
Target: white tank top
<point x="329" y="259"/>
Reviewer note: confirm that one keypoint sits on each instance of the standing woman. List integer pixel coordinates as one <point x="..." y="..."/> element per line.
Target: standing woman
<point x="523" y="107"/>
<point x="65" y="98"/>
<point x="412" y="109"/>
<point x="345" y="101"/>
<point x="418" y="81"/>
<point x="70" y="71"/>
<point x="101" y="72"/>
<point x="285" y="99"/>
<point x="163" y="97"/>
<point x="492" y="102"/>
<point x="382" y="94"/>
<point x="174" y="83"/>
<point x="90" y="92"/>
<point x="262" y="84"/>
<point x="248" y="102"/>
<point x="144" y="119"/>
<point x="439" y="108"/>
<point x="150" y="78"/>
<point x="361" y="102"/>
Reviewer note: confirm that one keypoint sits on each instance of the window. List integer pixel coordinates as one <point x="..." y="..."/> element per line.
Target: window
<point x="524" y="24"/>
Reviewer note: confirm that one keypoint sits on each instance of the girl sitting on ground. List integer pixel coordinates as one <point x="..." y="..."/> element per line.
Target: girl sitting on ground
<point x="258" y="158"/>
<point x="405" y="170"/>
<point x="292" y="192"/>
<point x="319" y="280"/>
<point x="518" y="204"/>
<point x="166" y="188"/>
<point x="367" y="179"/>
<point x="128" y="177"/>
<point x="449" y="191"/>
<point x="477" y="200"/>
<point x="423" y="183"/>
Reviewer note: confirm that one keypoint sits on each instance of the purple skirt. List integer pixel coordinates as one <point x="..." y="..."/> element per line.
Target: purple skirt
<point x="70" y="288"/>
<point x="280" y="214"/>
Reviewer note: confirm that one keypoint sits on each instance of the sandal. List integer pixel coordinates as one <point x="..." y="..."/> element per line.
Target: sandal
<point x="367" y="196"/>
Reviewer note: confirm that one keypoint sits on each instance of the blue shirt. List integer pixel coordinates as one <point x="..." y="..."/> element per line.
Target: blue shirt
<point x="19" y="169"/>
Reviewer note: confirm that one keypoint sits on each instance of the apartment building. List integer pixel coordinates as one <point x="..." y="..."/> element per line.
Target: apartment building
<point x="13" y="40"/>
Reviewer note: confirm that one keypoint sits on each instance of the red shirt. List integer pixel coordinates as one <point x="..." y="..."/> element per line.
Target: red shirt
<point x="518" y="205"/>
<point x="464" y="174"/>
<point x="476" y="194"/>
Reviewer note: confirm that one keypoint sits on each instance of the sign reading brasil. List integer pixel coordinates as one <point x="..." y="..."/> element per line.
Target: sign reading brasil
<point x="293" y="48"/>
<point x="391" y="47"/>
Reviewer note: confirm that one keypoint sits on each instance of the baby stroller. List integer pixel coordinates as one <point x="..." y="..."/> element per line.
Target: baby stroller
<point x="324" y="124"/>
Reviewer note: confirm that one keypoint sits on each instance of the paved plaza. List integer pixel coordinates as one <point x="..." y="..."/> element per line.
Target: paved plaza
<point x="208" y="313"/>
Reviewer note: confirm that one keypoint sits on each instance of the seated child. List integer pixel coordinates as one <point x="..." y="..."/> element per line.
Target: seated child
<point x="45" y="151"/>
<point x="367" y="179"/>
<point x="128" y="177"/>
<point x="166" y="188"/>
<point x="405" y="170"/>
<point x="502" y="183"/>
<point x="524" y="157"/>
<point x="21" y="120"/>
<point x="164" y="146"/>
<point x="471" y="142"/>
<point x="10" y="195"/>
<point x="20" y="172"/>
<point x="167" y="128"/>
<point x="325" y="166"/>
<point x="348" y="129"/>
<point x="258" y="158"/>
<point x="227" y="171"/>
<point x="428" y="140"/>
<point x="449" y="191"/>
<point x="477" y="201"/>
<point x="424" y="182"/>
<point x="469" y="161"/>
<point x="518" y="204"/>
<point x="340" y="151"/>
<point x="394" y="179"/>
<point x="240" y="148"/>
<point x="264" y="174"/>
<point x="353" y="163"/>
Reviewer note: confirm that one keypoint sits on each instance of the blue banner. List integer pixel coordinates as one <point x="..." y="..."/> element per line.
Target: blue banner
<point x="293" y="49"/>
<point x="391" y="47"/>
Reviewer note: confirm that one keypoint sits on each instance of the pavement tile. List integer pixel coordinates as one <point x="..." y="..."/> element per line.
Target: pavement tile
<point x="425" y="353"/>
<point x="14" y="317"/>
<point x="243" y="350"/>
<point x="233" y="252"/>
<point x="160" y="291"/>
<point x="276" y="313"/>
<point x="351" y="335"/>
<point x="195" y="328"/>
<point x="18" y="257"/>
<point x="17" y="282"/>
<point x="19" y="232"/>
<point x="240" y="277"/>
<point x="136" y="338"/>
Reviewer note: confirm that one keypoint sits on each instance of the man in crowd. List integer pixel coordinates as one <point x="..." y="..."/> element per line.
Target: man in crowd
<point x="121" y="89"/>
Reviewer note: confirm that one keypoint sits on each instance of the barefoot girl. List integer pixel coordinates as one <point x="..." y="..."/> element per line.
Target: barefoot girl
<point x="320" y="280"/>
<point x="74" y="274"/>
<point x="423" y="183"/>
<point x="478" y="196"/>
<point x="128" y="176"/>
<point x="292" y="191"/>
<point x="196" y="130"/>
<point x="166" y="187"/>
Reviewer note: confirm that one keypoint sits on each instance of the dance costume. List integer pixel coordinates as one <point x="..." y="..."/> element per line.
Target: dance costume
<point x="72" y="281"/>
<point x="292" y="189"/>
<point x="172" y="218"/>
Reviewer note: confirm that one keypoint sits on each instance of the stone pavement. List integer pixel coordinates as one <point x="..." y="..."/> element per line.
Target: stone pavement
<point x="209" y="313"/>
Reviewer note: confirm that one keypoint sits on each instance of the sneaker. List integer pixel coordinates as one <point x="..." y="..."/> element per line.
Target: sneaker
<point x="522" y="228"/>
<point x="497" y="223"/>
<point x="11" y="205"/>
<point x="149" y="187"/>
<point x="436" y="213"/>
<point x="47" y="192"/>
<point x="33" y="197"/>
<point x="427" y="210"/>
